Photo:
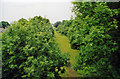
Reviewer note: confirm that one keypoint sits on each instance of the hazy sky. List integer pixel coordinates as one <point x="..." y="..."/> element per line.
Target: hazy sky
<point x="54" y="10"/>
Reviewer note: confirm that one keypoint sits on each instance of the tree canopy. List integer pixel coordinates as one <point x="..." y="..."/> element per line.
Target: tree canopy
<point x="4" y="24"/>
<point x="95" y="33"/>
<point x="56" y="24"/>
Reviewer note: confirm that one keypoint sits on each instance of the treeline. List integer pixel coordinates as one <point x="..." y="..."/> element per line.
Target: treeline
<point x="95" y="32"/>
<point x="4" y="24"/>
<point x="29" y="50"/>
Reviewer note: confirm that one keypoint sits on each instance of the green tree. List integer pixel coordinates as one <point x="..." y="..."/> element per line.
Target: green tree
<point x="56" y="24"/>
<point x="63" y="27"/>
<point x="0" y="25"/>
<point x="22" y="21"/>
<point x="4" y="24"/>
<point x="29" y="51"/>
<point x="93" y="30"/>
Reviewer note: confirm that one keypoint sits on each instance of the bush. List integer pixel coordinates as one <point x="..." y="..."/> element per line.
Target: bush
<point x="64" y="26"/>
<point x="93" y="31"/>
<point x="4" y="24"/>
<point x="29" y="50"/>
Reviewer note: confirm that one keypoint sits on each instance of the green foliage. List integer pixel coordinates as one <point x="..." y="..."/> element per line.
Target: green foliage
<point x="0" y="36"/>
<point x="22" y="21"/>
<point x="0" y="25"/>
<point x="92" y="32"/>
<point x="63" y="27"/>
<point x="57" y="24"/>
<point x="29" y="50"/>
<point x="113" y="5"/>
<point x="95" y="32"/>
<point x="4" y="24"/>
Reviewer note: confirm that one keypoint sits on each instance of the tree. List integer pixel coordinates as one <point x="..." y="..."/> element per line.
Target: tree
<point x="0" y="25"/>
<point x="30" y="51"/>
<point x="22" y="21"/>
<point x="4" y="24"/>
<point x="94" y="30"/>
<point x="57" y="23"/>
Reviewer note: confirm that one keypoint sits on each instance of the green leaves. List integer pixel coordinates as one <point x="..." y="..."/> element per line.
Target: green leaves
<point x="50" y="74"/>
<point x="93" y="32"/>
<point x="29" y="50"/>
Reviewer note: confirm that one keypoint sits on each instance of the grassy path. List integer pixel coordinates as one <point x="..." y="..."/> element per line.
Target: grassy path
<point x="65" y="47"/>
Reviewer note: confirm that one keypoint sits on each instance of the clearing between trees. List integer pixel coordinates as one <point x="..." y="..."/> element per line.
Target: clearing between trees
<point x="64" y="45"/>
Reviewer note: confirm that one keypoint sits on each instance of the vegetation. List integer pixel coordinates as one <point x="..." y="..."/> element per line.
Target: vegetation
<point x="0" y="36"/>
<point x="0" y="42"/>
<point x="63" y="27"/>
<point x="95" y="33"/>
<point x="0" y="25"/>
<point x="4" y="24"/>
<point x="29" y="50"/>
<point x="0" y="54"/>
<point x="56" y="24"/>
<point x="64" y="45"/>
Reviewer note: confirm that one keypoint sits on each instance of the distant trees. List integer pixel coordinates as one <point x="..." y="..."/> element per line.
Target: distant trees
<point x="4" y="24"/>
<point x="57" y="23"/>
<point x="63" y="26"/>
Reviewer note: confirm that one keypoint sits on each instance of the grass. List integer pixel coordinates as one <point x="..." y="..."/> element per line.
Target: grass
<point x="65" y="47"/>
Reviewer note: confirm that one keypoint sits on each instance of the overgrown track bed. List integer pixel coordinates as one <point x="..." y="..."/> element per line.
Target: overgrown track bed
<point x="64" y="45"/>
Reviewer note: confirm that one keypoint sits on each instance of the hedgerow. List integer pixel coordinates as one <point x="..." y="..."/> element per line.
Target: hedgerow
<point x="29" y="50"/>
<point x="96" y="44"/>
<point x="95" y="33"/>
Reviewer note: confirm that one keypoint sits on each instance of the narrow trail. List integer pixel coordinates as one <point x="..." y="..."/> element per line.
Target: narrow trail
<point x="64" y="45"/>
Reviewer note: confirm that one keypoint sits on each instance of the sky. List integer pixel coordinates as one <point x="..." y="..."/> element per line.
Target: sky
<point x="54" y="10"/>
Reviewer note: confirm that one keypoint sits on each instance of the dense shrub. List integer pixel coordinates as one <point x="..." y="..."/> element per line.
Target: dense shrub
<point x="4" y="24"/>
<point x="22" y="21"/>
<point x="113" y="5"/>
<point x="29" y="50"/>
<point x="95" y="32"/>
<point x="64" y="26"/>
